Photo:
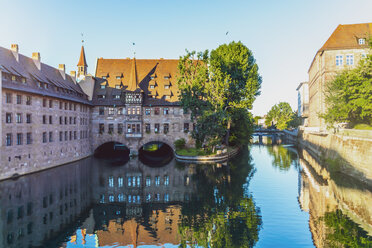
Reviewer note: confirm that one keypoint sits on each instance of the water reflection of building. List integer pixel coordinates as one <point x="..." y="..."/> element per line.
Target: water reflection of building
<point x="35" y="208"/>
<point x="136" y="204"/>
<point x="324" y="192"/>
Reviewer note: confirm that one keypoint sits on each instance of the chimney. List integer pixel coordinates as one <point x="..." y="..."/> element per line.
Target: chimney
<point x="15" y="49"/>
<point x="62" y="70"/>
<point x="73" y="75"/>
<point x="37" y="60"/>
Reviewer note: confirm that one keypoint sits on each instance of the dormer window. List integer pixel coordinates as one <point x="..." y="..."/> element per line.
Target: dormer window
<point x="104" y="77"/>
<point x="101" y="96"/>
<point x="117" y="96"/>
<point x="13" y="78"/>
<point x="362" y="41"/>
<point x="39" y="84"/>
<point x="118" y="77"/>
<point x="103" y="86"/>
<point x="45" y="86"/>
<point x="167" y="77"/>
<point x="166" y="86"/>
<point x="152" y="86"/>
<point x="118" y="86"/>
<point x="23" y="80"/>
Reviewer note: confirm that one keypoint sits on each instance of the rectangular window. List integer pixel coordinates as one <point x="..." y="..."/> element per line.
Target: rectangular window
<point x="66" y="122"/>
<point x="157" y="111"/>
<point x="29" y="138"/>
<point x="18" y="118"/>
<point x="157" y="181"/>
<point x="19" y="138"/>
<point x="350" y="59"/>
<point x="129" y="128"/>
<point x="8" y="118"/>
<point x="19" y="99"/>
<point x="362" y="41"/>
<point x="166" y="86"/>
<point x="120" y="182"/>
<point x="148" y="181"/>
<point x="111" y="181"/>
<point x="44" y="119"/>
<point x="166" y="111"/>
<point x="166" y="180"/>
<point x="111" y="111"/>
<point x="138" y="128"/>
<point x="75" y="135"/>
<point x="8" y="98"/>
<point x="50" y="136"/>
<point x="166" y="128"/>
<point x="44" y="102"/>
<point x="44" y="137"/>
<point x="28" y="118"/>
<point x="66" y="135"/>
<point x="118" y="85"/>
<point x="50" y="103"/>
<point x="60" y="105"/>
<point x="28" y="100"/>
<point x="101" y="111"/>
<point x="103" y="86"/>
<point x="147" y="111"/>
<point x="116" y="96"/>
<point x="148" y="127"/>
<point x="8" y="139"/>
<point x="339" y="60"/>
<point x="50" y="119"/>
<point x="60" y="136"/>
<point x="101" y="128"/>
<point x="111" y="128"/>
<point x="120" y="128"/>
<point x="156" y="129"/>
<point x="186" y="127"/>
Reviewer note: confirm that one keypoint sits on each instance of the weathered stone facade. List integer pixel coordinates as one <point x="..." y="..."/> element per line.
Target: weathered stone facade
<point x="343" y="50"/>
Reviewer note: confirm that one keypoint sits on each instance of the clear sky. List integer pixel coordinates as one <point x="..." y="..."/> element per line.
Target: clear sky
<point x="283" y="35"/>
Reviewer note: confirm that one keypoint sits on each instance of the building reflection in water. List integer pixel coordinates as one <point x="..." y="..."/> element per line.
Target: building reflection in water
<point x="340" y="206"/>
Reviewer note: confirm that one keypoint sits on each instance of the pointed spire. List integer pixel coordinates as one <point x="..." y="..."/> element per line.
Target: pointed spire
<point x="133" y="82"/>
<point x="82" y="60"/>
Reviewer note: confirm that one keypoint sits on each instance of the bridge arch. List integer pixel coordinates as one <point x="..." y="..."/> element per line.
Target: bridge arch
<point x="112" y="150"/>
<point x="164" y="140"/>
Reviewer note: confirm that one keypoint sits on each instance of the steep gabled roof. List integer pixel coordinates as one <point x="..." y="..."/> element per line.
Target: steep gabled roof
<point x="347" y="36"/>
<point x="82" y="60"/>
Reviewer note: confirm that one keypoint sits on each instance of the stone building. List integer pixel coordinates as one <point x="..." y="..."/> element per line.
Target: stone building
<point x="347" y="45"/>
<point x="303" y="102"/>
<point x="45" y="115"/>
<point x="50" y="118"/>
<point x="136" y="102"/>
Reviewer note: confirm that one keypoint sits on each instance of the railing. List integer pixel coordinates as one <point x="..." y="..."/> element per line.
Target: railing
<point x="133" y="135"/>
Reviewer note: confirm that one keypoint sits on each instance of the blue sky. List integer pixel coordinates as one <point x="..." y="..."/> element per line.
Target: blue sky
<point x="283" y="35"/>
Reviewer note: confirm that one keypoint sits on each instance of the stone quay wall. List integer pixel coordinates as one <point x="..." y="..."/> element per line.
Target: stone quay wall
<point x="348" y="154"/>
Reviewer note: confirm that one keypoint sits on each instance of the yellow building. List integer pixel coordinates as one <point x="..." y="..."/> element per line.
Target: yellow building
<point x="347" y="45"/>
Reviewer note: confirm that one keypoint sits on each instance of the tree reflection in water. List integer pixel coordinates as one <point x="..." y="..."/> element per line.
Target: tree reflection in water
<point x="283" y="157"/>
<point x="221" y="213"/>
<point x="343" y="232"/>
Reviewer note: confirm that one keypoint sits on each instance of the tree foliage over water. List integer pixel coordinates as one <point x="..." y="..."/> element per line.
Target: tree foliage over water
<point x="349" y="95"/>
<point x="219" y="89"/>
<point x="221" y="213"/>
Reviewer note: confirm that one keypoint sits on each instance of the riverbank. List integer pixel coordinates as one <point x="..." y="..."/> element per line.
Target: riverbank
<point x="341" y="152"/>
<point x="225" y="155"/>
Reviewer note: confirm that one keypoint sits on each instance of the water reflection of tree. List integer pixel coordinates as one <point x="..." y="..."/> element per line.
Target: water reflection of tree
<point x="221" y="213"/>
<point x="282" y="157"/>
<point x="343" y="232"/>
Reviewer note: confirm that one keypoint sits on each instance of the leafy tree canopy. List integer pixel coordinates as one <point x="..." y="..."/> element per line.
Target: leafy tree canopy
<point x="281" y="115"/>
<point x="219" y="88"/>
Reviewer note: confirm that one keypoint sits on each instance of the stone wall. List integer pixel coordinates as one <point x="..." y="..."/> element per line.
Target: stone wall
<point x="350" y="155"/>
<point x="115" y="116"/>
<point x="42" y="141"/>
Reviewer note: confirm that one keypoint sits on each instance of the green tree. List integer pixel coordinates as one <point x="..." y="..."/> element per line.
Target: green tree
<point x="217" y="89"/>
<point x="349" y="95"/>
<point x="281" y="115"/>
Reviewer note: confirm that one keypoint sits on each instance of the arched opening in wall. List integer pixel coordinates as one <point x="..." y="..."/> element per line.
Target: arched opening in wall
<point x="155" y="154"/>
<point x="113" y="152"/>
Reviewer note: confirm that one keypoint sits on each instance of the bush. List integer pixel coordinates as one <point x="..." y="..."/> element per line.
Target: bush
<point x="179" y="144"/>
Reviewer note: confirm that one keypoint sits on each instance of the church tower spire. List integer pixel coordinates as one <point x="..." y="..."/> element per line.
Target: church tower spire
<point x="82" y="64"/>
<point x="133" y="82"/>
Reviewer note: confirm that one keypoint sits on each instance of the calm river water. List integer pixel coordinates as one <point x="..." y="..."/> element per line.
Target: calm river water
<point x="267" y="196"/>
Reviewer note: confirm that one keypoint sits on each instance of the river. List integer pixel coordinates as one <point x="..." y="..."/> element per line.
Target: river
<point x="267" y="196"/>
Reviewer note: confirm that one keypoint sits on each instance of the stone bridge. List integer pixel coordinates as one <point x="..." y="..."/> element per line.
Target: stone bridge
<point x="134" y="144"/>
